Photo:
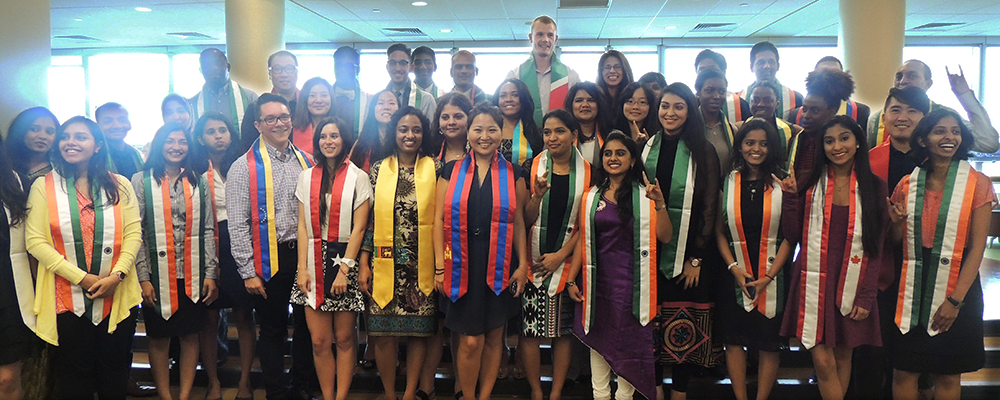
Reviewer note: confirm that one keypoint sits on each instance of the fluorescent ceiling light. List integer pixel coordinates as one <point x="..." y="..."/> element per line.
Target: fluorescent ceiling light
<point x="419" y="3"/>
<point x="143" y="9"/>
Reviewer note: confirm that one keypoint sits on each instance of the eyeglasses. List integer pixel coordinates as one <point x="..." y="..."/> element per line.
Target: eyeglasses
<point x="401" y="63"/>
<point x="631" y="103"/>
<point x="616" y="67"/>
<point x="288" y="69"/>
<point x="272" y="120"/>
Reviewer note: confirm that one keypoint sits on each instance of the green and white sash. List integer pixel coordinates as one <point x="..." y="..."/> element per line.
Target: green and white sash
<point x="681" y="199"/>
<point x="579" y="180"/>
<point x="558" y="90"/>
<point x="237" y="104"/>
<point x="919" y="300"/>
<point x="416" y="96"/>
<point x="771" y="301"/>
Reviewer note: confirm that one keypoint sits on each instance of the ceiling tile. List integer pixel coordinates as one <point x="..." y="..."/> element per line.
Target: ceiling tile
<point x="635" y="8"/>
<point x="434" y="10"/>
<point x="363" y="10"/>
<point x="478" y="10"/>
<point x="623" y="28"/>
<point x="688" y="8"/>
<point x="328" y="9"/>
<point x="529" y="9"/>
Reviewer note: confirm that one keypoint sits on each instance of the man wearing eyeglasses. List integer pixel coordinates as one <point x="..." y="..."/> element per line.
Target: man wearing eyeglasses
<point x="283" y="71"/>
<point x="220" y="93"/>
<point x="407" y="92"/>
<point x="260" y="199"/>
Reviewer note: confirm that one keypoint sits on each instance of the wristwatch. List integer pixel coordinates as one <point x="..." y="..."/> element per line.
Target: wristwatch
<point x="121" y="276"/>
<point x="958" y="304"/>
<point x="696" y="262"/>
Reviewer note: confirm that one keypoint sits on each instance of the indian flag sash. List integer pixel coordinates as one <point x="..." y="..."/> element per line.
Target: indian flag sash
<point x="815" y="270"/>
<point x="209" y="176"/>
<point x="67" y="237"/>
<point x="785" y="96"/>
<point x="237" y="104"/>
<point x="770" y="301"/>
<point x="456" y="226"/>
<point x="559" y="75"/>
<point x="264" y="233"/>
<point x="520" y="149"/>
<point x="334" y="228"/>
<point x="579" y="181"/>
<point x="644" y="306"/>
<point x="919" y="300"/>
<point x="384" y="266"/>
<point x="159" y="231"/>
<point x="732" y="108"/>
<point x="681" y="199"/>
<point x="24" y="285"/>
<point x="435" y="91"/>
<point x="416" y="96"/>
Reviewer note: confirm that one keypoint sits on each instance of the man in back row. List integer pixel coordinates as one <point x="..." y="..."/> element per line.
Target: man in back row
<point x="220" y="93"/>
<point x="463" y="73"/>
<point x="764" y="63"/>
<point x="407" y="92"/>
<point x="546" y="77"/>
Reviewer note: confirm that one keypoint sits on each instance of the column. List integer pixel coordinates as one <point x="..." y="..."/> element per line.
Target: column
<point x="254" y="30"/>
<point x="25" y="55"/>
<point x="872" y="36"/>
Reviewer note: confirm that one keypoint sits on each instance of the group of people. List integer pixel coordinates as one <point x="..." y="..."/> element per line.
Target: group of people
<point x="653" y="223"/>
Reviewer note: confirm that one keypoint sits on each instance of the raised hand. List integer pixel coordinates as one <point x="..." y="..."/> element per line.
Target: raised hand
<point x="789" y="184"/>
<point x="959" y="84"/>
<point x="653" y="191"/>
<point x="641" y="136"/>
<point x="542" y="184"/>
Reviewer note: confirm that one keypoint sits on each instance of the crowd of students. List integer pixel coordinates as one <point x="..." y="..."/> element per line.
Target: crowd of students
<point x="653" y="223"/>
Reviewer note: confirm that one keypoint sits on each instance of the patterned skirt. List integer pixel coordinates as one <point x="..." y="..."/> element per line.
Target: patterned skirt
<point x="544" y="316"/>
<point x="351" y="300"/>
<point x="683" y="334"/>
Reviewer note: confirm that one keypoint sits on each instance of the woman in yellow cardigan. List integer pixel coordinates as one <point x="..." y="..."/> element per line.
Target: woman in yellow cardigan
<point x="83" y="227"/>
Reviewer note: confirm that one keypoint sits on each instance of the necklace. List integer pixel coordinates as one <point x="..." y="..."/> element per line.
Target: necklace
<point x="841" y="187"/>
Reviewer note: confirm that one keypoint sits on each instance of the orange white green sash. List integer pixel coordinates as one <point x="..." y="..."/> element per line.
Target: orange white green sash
<point x="579" y="181"/>
<point x="520" y="149"/>
<point x="680" y="200"/>
<point x="209" y="177"/>
<point x="919" y="300"/>
<point x="558" y="90"/>
<point x="334" y="228"/>
<point x="67" y="237"/>
<point x="262" y="213"/>
<point x="786" y="98"/>
<point x="159" y="231"/>
<point x="732" y="108"/>
<point x="384" y="266"/>
<point x="643" y="256"/>
<point x="815" y="270"/>
<point x="771" y="301"/>
<point x="456" y="226"/>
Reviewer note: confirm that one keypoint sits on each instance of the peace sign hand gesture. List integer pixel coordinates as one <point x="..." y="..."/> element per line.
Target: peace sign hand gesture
<point x="642" y="135"/>
<point x="958" y="83"/>
<point x="788" y="185"/>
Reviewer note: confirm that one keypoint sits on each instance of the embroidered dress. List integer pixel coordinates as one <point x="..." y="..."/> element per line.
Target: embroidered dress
<point x="410" y="312"/>
<point x="543" y="314"/>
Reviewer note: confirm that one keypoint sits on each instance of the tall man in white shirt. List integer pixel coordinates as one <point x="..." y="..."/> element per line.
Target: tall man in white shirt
<point x="547" y="78"/>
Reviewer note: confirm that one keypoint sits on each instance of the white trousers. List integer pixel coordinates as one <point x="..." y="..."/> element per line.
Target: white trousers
<point x="601" y="380"/>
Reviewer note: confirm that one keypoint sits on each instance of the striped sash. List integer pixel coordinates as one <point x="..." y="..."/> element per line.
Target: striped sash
<point x="263" y="231"/>
<point x="579" y="181"/>
<point x="416" y="96"/>
<point x="237" y="104"/>
<point x="456" y="226"/>
<point x="732" y="108"/>
<point x="727" y="127"/>
<point x="785" y="96"/>
<point x="520" y="149"/>
<point x="67" y="237"/>
<point x="815" y="270"/>
<point x="644" y="255"/>
<point x="383" y="274"/>
<point x="160" y="242"/>
<point x="919" y="300"/>
<point x="770" y="301"/>
<point x="558" y="90"/>
<point x="681" y="199"/>
<point x="334" y="228"/>
<point x="209" y="176"/>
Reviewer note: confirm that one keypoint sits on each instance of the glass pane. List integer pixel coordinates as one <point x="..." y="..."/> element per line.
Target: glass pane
<point x="493" y="68"/>
<point x="187" y="75"/>
<point x="137" y="81"/>
<point x="311" y="66"/>
<point x="991" y="96"/>
<point x="796" y="63"/>
<point x="374" y="77"/>
<point x="67" y="61"/>
<point x="67" y="92"/>
<point x="937" y="58"/>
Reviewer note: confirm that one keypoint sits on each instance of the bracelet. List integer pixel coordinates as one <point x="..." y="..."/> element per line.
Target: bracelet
<point x="661" y="207"/>
<point x="539" y="202"/>
<point x="732" y="265"/>
<point x="570" y="283"/>
<point x="439" y="272"/>
<point x="769" y="277"/>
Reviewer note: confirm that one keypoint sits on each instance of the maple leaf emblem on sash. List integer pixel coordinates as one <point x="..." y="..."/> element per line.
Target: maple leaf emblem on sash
<point x="855" y="259"/>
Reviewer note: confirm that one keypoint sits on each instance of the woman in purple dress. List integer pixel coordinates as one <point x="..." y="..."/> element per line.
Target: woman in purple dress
<point x="837" y="216"/>
<point x="619" y="230"/>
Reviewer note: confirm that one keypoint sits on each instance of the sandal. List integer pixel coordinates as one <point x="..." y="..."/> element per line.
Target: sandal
<point x="459" y="395"/>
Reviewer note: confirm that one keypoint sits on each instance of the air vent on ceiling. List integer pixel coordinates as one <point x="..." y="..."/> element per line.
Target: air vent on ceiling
<point x="402" y="32"/>
<point x="190" y="35"/>
<point x="714" y="27"/>
<point x="77" y="37"/>
<point x="937" y="26"/>
<point x="584" y="3"/>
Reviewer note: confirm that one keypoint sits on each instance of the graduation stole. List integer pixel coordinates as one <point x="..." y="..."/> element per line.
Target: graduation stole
<point x="384" y="266"/>
<point x="726" y="126"/>
<point x="528" y="73"/>
<point x="644" y="306"/>
<point x="681" y="199"/>
<point x="337" y="225"/>
<point x="579" y="181"/>
<point x="415" y="97"/>
<point x="210" y="183"/>
<point x="815" y="270"/>
<point x="732" y="108"/>
<point x="67" y="238"/>
<point x="785" y="96"/>
<point x="878" y="157"/>
<point x="159" y="232"/>
<point x="435" y="91"/>
<point x="456" y="226"/>
<point x="919" y="300"/>
<point x="263" y="231"/>
<point x="784" y="132"/>
<point x="849" y="108"/>
<point x="477" y="95"/>
<point x="520" y="149"/>
<point x="732" y="215"/>
<point x="23" y="283"/>
<point x="237" y="104"/>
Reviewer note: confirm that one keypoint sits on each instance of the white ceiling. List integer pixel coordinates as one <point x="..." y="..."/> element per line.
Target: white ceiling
<point x="116" y="23"/>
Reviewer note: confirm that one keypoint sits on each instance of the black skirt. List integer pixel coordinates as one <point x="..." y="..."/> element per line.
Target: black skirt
<point x="959" y="350"/>
<point x="18" y="342"/>
<point x="189" y="318"/>
<point x="232" y="292"/>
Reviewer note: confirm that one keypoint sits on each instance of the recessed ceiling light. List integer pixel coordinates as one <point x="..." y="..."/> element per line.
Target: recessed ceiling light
<point x="143" y="9"/>
<point x="744" y="4"/>
<point x="418" y="3"/>
<point x="78" y="19"/>
<point x="671" y="27"/>
<point x="446" y="31"/>
<point x="375" y="10"/>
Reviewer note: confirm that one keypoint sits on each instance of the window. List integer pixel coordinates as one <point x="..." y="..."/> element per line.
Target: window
<point x="795" y="64"/>
<point x="939" y="57"/>
<point x="991" y="97"/>
<point x="67" y="87"/>
<point x="375" y="78"/>
<point x="186" y="73"/>
<point x="137" y="81"/>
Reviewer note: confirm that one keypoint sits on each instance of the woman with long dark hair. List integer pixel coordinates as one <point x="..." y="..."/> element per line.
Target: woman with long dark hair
<point x="450" y="126"/>
<point x="214" y="138"/>
<point x="681" y="161"/>
<point x="29" y="139"/>
<point x="837" y="215"/>
<point x="316" y="97"/>
<point x="751" y="244"/>
<point x="83" y="227"/>
<point x="374" y="137"/>
<point x="333" y="214"/>
<point x="613" y="73"/>
<point x="941" y="215"/>
<point x="590" y="108"/>
<point x="521" y="140"/>
<point x="177" y="265"/>
<point x="622" y="219"/>
<point x="635" y="110"/>
<point x="397" y="255"/>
